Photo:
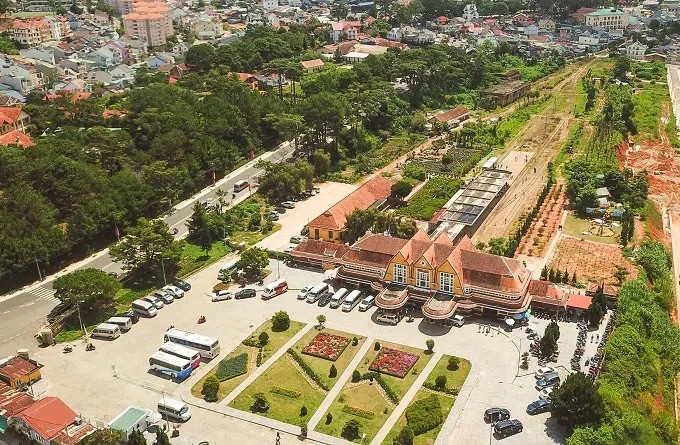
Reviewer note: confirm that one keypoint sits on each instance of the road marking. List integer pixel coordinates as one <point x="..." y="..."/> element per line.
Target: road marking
<point x="44" y="294"/>
<point x="6" y="312"/>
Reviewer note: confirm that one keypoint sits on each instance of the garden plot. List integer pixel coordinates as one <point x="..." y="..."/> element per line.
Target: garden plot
<point x="542" y="230"/>
<point x="377" y="385"/>
<point x="295" y="385"/>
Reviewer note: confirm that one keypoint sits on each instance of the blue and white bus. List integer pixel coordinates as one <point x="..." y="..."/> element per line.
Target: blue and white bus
<point x="170" y="365"/>
<point x="209" y="347"/>
<point x="182" y="352"/>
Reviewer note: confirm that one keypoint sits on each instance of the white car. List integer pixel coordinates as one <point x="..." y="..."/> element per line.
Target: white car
<point x="157" y="302"/>
<point x="288" y="204"/>
<point x="541" y="372"/>
<point x="288" y="249"/>
<point x="221" y="295"/>
<point x="545" y="393"/>
<point x="303" y="292"/>
<point x="366" y="303"/>
<point x="174" y="291"/>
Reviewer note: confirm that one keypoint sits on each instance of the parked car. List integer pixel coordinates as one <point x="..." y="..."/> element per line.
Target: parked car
<point x="296" y="239"/>
<point x="60" y="309"/>
<point x="288" y="204"/>
<point x="182" y="285"/>
<point x="274" y="216"/>
<point x="388" y="318"/>
<point x="540" y="372"/>
<point x="551" y="379"/>
<point x="165" y="296"/>
<point x="496" y="414"/>
<point x="545" y="393"/>
<point x="538" y="407"/>
<point x="280" y="209"/>
<point x="132" y="315"/>
<point x="154" y="300"/>
<point x="366" y="303"/>
<point x="289" y="249"/>
<point x="508" y="428"/>
<point x="303" y="292"/>
<point x="221" y="295"/>
<point x="174" y="291"/>
<point x="325" y="298"/>
<point x="244" y="293"/>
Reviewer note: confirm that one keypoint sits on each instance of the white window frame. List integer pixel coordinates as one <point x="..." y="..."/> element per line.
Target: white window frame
<point x="399" y="277"/>
<point x="420" y="275"/>
<point x="446" y="282"/>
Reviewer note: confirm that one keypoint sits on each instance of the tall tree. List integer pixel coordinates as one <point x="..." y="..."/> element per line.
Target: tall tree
<point x="93" y="287"/>
<point x="199" y="227"/>
<point x="146" y="245"/>
<point x="576" y="401"/>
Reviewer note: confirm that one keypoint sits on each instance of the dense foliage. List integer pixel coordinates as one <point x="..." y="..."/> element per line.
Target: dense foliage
<point x="232" y="367"/>
<point x="424" y="415"/>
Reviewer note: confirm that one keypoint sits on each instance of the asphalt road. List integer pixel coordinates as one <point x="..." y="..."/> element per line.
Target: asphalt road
<point x="22" y="315"/>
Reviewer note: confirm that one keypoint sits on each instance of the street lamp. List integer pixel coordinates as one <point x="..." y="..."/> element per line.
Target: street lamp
<point x="80" y="320"/>
<point x="163" y="268"/>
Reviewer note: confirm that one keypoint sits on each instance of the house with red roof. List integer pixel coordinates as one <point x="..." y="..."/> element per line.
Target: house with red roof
<point x="330" y="225"/>
<point x="18" y="372"/>
<point x="50" y="421"/>
<point x="312" y="65"/>
<point x="452" y="118"/>
<point x="14" y="123"/>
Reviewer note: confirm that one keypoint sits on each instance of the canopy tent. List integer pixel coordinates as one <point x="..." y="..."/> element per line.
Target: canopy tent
<point x="509" y="321"/>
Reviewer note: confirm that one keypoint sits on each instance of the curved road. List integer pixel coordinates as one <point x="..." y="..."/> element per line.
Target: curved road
<point x="24" y="312"/>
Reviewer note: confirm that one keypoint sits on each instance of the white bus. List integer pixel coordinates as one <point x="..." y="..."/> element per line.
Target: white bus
<point x="352" y="300"/>
<point x="173" y="366"/>
<point x="173" y="409"/>
<point x="144" y="308"/>
<point x="183" y="352"/>
<point x="209" y="347"/>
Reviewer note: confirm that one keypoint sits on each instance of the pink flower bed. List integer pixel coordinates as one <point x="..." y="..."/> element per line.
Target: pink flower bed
<point x="326" y="346"/>
<point x="393" y="362"/>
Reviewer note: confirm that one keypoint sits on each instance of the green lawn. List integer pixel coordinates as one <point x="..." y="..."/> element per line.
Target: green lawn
<point x="454" y="380"/>
<point x="276" y="341"/>
<point x="365" y="396"/>
<point x="284" y="374"/>
<point x="575" y="226"/>
<point x="322" y="366"/>
<point x="430" y="198"/>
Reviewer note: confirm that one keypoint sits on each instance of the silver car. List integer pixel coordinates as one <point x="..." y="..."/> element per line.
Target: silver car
<point x="157" y="302"/>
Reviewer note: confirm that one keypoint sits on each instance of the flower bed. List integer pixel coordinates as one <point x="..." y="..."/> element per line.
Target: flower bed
<point x="394" y="362"/>
<point x="326" y="346"/>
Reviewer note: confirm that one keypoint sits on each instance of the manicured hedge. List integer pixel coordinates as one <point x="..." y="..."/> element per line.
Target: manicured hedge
<point x="285" y="392"/>
<point x="424" y="415"/>
<point x="358" y="412"/>
<point x="450" y="391"/>
<point x="305" y="367"/>
<point x="388" y="389"/>
<point x="232" y="367"/>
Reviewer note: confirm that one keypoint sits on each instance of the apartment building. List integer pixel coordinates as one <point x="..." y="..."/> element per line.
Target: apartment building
<point x="31" y="32"/>
<point x="150" y="21"/>
<point x="607" y="18"/>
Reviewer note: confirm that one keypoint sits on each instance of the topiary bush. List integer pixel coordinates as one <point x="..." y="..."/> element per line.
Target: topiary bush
<point x="424" y="415"/>
<point x="356" y="376"/>
<point x="280" y="321"/>
<point x="376" y="346"/>
<point x="333" y="372"/>
<point x="350" y="430"/>
<point x="440" y="381"/>
<point x="263" y="338"/>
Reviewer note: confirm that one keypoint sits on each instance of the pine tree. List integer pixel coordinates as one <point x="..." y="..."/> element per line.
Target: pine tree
<point x="565" y="276"/>
<point x="573" y="279"/>
<point x="551" y="275"/>
<point x="162" y="438"/>
<point x="544" y="273"/>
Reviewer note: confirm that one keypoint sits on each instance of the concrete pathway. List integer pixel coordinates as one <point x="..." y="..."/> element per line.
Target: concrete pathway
<point x="458" y="407"/>
<point x="333" y="393"/>
<point x="258" y="372"/>
<point x="408" y="397"/>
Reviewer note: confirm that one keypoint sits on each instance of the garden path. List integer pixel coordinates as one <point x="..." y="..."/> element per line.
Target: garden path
<point x="347" y="373"/>
<point x="304" y="374"/>
<point x="251" y="378"/>
<point x="410" y="394"/>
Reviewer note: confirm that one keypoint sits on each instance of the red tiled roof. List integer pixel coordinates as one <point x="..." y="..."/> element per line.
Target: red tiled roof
<point x="546" y="292"/>
<point x="364" y="197"/>
<point x="320" y="248"/>
<point x="9" y="115"/>
<point x="452" y="114"/>
<point x="609" y="289"/>
<point x="48" y="417"/>
<point x="493" y="272"/>
<point x="441" y="19"/>
<point x="16" y="137"/>
<point x="12" y="401"/>
<point x="374" y="250"/>
<point x="579" y="301"/>
<point x="17" y="367"/>
<point x="310" y="64"/>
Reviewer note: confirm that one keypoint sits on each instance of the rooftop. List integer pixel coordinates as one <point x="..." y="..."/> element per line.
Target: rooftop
<point x="17" y="367"/>
<point x="48" y="417"/>
<point x="128" y="418"/>
<point x="507" y="87"/>
<point x="604" y="12"/>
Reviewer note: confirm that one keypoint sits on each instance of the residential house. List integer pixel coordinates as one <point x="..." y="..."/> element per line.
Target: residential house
<point x="49" y="421"/>
<point x="12" y="402"/>
<point x="206" y="28"/>
<point x="470" y="12"/>
<point x="344" y="30"/>
<point x="13" y="118"/>
<point x="451" y="118"/>
<point x="159" y="60"/>
<point x="103" y="57"/>
<point x="531" y="30"/>
<point x="19" y="372"/>
<point x="312" y="65"/>
<point x="521" y="19"/>
<point x="120" y="50"/>
<point x="31" y="32"/>
<point x="18" y="78"/>
<point x="546" y="24"/>
<point x="270" y="5"/>
<point x="607" y="18"/>
<point x="635" y="50"/>
<point x="98" y="77"/>
<point x="330" y="225"/>
<point x="180" y="49"/>
<point x="271" y="80"/>
<point x="45" y="54"/>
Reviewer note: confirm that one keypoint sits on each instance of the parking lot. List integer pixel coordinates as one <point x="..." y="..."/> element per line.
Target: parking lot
<point x="101" y="383"/>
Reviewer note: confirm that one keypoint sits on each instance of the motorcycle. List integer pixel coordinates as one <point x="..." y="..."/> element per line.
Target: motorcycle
<point x="89" y="347"/>
<point x="67" y="349"/>
<point x="201" y="319"/>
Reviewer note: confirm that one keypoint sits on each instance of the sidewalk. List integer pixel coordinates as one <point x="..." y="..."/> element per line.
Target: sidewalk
<point x="333" y="393"/>
<point x="408" y="397"/>
<point x="461" y="402"/>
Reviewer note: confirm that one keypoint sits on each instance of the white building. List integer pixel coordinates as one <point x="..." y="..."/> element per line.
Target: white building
<point x="635" y="50"/>
<point x="607" y="18"/>
<point x="470" y="12"/>
<point x="270" y="5"/>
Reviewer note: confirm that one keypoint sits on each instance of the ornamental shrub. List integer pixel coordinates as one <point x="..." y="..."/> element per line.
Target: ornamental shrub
<point x="424" y="415"/>
<point x="211" y="387"/>
<point x="232" y="367"/>
<point x="263" y="338"/>
<point x="333" y="372"/>
<point x="280" y="321"/>
<point x="440" y="381"/>
<point x="351" y="430"/>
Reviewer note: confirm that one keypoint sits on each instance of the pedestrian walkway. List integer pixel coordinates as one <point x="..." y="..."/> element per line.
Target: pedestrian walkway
<point x="45" y="294"/>
<point x="258" y="372"/>
<point x="461" y="401"/>
<point x="408" y="397"/>
<point x="339" y="384"/>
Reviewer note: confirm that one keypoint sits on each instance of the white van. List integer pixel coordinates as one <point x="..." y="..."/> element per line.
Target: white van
<point x="106" y="330"/>
<point x="240" y="185"/>
<point x="338" y="297"/>
<point x="351" y="301"/>
<point x="173" y="409"/>
<point x="144" y="308"/>
<point x="124" y="323"/>
<point x="316" y="292"/>
<point x="274" y="288"/>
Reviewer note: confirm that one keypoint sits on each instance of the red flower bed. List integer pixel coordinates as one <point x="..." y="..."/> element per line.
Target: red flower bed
<point x="326" y="346"/>
<point x="393" y="362"/>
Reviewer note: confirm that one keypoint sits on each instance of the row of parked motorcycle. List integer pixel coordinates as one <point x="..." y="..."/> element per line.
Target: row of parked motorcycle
<point x="595" y="362"/>
<point x="580" y="346"/>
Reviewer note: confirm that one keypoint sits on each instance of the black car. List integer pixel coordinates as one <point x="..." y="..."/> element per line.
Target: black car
<point x="538" y="407"/>
<point x="129" y="314"/>
<point x="280" y="209"/>
<point x="507" y="428"/>
<point x="58" y="310"/>
<point x="496" y="415"/>
<point x="182" y="285"/>
<point x="325" y="298"/>
<point x="244" y="293"/>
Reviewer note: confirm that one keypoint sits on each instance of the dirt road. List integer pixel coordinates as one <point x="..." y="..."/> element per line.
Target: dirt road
<point x="543" y="135"/>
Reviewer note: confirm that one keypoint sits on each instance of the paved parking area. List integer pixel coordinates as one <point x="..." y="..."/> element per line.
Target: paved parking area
<point x="101" y="383"/>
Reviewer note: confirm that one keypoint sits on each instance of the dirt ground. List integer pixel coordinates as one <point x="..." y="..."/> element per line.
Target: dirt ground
<point x="543" y="135"/>
<point x="544" y="227"/>
<point x="591" y="261"/>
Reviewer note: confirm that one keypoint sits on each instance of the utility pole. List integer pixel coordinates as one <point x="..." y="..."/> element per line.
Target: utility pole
<point x="38" y="266"/>
<point x="163" y="268"/>
<point x="80" y="320"/>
